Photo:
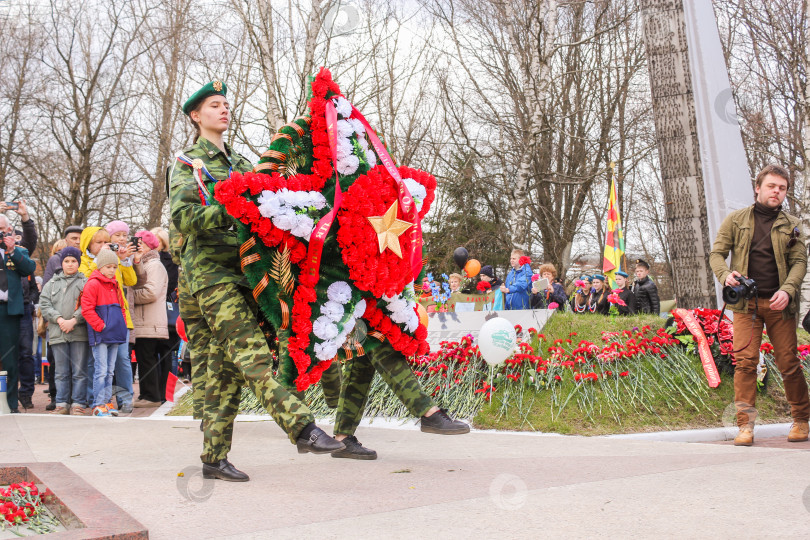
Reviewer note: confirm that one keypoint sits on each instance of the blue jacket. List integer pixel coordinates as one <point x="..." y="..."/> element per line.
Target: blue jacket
<point x="16" y="265"/>
<point x="519" y="284"/>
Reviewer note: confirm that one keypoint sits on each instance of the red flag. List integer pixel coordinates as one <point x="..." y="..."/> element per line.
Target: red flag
<point x="171" y="383"/>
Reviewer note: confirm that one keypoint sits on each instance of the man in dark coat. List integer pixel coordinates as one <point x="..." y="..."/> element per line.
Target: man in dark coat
<point x="27" y="238"/>
<point x="645" y="290"/>
<point x="72" y="236"/>
<point x="15" y="266"/>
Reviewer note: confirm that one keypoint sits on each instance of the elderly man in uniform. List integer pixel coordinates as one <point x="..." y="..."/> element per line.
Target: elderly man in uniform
<point x="16" y="265"/>
<point x="209" y="254"/>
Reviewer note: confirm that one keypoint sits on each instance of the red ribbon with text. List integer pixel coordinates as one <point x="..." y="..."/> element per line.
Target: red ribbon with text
<point x="406" y="202"/>
<point x="315" y="249"/>
<point x="704" y="350"/>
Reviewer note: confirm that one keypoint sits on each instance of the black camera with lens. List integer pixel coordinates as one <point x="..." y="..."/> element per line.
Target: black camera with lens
<point x="744" y="290"/>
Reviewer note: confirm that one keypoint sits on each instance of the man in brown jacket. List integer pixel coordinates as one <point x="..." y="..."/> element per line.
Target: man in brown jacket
<point x="767" y="246"/>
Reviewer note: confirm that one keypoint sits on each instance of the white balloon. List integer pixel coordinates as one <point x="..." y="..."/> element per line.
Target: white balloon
<point x="497" y="340"/>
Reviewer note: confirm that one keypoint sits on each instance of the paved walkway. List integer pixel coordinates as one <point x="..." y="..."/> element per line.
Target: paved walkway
<point x="479" y="485"/>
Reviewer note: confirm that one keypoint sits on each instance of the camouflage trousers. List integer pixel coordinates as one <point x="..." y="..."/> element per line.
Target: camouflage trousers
<point x="358" y="373"/>
<point x="199" y="341"/>
<point x="238" y="353"/>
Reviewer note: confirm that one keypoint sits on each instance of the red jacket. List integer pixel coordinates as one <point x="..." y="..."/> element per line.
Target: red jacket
<point x="98" y="295"/>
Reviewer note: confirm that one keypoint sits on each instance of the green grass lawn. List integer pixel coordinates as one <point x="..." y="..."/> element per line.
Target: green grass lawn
<point x="656" y="394"/>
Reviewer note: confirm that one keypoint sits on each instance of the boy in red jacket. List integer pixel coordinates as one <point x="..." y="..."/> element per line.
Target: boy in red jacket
<point x="102" y="308"/>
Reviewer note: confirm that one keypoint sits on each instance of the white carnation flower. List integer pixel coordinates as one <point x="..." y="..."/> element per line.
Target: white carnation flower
<point x="413" y="322"/>
<point x="317" y="200"/>
<point x="343" y="107"/>
<point x="339" y="291"/>
<point x="359" y="309"/>
<point x="371" y="157"/>
<point x="284" y="221"/>
<point x="400" y="317"/>
<point x="344" y="148"/>
<point x="269" y="204"/>
<point x="396" y="305"/>
<point x="417" y="191"/>
<point x="324" y="328"/>
<point x="348" y="165"/>
<point x="326" y="350"/>
<point x="348" y="326"/>
<point x="333" y="310"/>
<point x="345" y="129"/>
<point x="303" y="226"/>
<point x="358" y="127"/>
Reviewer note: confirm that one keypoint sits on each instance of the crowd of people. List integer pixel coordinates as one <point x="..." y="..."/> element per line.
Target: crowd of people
<point x="105" y="308"/>
<point x="527" y="288"/>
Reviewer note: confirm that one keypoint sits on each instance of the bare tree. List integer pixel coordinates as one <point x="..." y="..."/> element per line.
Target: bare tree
<point x="543" y="110"/>
<point x="80" y="170"/>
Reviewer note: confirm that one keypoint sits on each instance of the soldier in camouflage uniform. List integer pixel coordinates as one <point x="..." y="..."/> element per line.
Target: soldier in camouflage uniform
<point x="393" y="367"/>
<point x="209" y="256"/>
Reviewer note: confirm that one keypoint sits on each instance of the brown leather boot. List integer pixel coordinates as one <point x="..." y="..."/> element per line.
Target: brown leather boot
<point x="745" y="437"/>
<point x="798" y="431"/>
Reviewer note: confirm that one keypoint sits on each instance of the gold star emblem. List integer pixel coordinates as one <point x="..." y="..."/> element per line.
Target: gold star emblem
<point x="389" y="229"/>
<point x="217" y="86"/>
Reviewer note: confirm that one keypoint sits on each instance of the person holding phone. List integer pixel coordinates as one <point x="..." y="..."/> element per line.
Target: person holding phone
<point x="15" y="266"/>
<point x="27" y="238"/>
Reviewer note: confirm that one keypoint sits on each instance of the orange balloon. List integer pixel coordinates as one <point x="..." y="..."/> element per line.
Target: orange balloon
<point x="423" y="315"/>
<point x="472" y="268"/>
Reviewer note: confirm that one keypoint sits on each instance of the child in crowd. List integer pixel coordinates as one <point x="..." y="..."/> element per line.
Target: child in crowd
<point x="67" y="333"/>
<point x="598" y="300"/>
<point x="518" y="281"/>
<point x="93" y="239"/>
<point x="624" y="292"/>
<point x="102" y="307"/>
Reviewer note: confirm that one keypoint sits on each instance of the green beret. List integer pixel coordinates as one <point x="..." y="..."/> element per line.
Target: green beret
<point x="214" y="88"/>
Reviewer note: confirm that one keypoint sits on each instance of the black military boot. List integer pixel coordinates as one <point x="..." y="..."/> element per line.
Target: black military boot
<point x="354" y="450"/>
<point x="51" y="406"/>
<point x="26" y="402"/>
<point x="439" y="422"/>
<point x="223" y="470"/>
<point x="315" y="440"/>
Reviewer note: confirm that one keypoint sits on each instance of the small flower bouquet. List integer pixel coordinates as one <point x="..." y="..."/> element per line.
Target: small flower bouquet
<point x="21" y="506"/>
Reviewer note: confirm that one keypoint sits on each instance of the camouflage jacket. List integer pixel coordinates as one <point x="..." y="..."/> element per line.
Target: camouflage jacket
<point x="205" y="235"/>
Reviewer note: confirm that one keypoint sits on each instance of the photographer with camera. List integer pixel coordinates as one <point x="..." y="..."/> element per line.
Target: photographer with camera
<point x="768" y="264"/>
<point x="15" y="266"/>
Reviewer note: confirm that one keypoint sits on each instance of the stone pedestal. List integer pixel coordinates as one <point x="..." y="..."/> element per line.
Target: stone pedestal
<point x="679" y="151"/>
<point x="81" y="508"/>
